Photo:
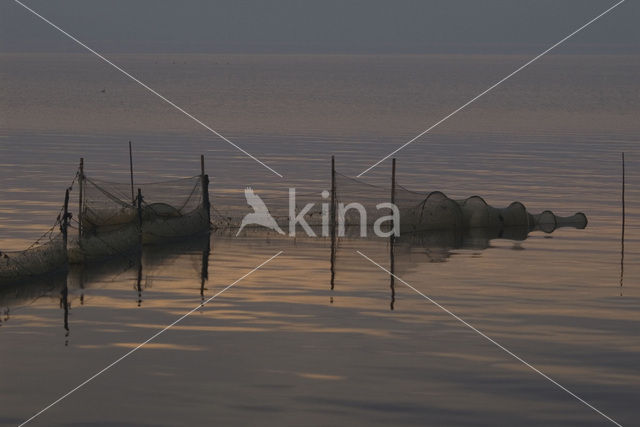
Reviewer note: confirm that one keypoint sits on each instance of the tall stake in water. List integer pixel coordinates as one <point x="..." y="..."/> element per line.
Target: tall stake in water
<point x="204" y="182"/>
<point x="392" y="263"/>
<point x="65" y="291"/>
<point x="332" y="216"/>
<point x="622" y="233"/>
<point x="80" y="192"/>
<point x="65" y="218"/>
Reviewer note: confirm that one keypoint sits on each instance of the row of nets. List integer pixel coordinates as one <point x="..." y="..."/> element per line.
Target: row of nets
<point x="114" y="219"/>
<point x="358" y="204"/>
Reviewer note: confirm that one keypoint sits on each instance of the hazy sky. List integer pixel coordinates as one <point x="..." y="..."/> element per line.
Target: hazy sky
<point x="320" y="26"/>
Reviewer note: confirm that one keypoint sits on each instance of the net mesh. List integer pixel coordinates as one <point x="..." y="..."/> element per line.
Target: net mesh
<point x="228" y="209"/>
<point x="106" y="204"/>
<point x="431" y="211"/>
<point x="173" y="209"/>
<point x="358" y="204"/>
<point x="47" y="256"/>
<point x="349" y="190"/>
<point x="113" y="221"/>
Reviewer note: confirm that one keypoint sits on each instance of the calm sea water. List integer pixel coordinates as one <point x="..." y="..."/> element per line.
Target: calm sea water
<point x="284" y="346"/>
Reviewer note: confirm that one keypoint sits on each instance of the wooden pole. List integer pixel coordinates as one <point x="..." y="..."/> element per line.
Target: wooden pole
<point x="332" y="210"/>
<point x="205" y="189"/>
<point x="393" y="180"/>
<point x="133" y="198"/>
<point x="204" y="272"/>
<point x="623" y="203"/>
<point x="392" y="263"/>
<point x="332" y="220"/>
<point x="65" y="291"/>
<point x="65" y="218"/>
<point x="81" y="194"/>
<point x="622" y="232"/>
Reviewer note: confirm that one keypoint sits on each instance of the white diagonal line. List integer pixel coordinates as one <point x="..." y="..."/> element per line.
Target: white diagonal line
<point x="491" y="340"/>
<point x="142" y="344"/>
<point x="522" y="67"/>
<point x="159" y="95"/>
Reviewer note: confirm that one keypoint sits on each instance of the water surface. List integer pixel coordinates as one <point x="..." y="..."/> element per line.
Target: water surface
<point x="282" y="346"/>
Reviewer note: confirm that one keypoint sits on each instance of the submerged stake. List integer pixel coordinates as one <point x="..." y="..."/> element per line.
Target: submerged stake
<point x="622" y="232"/>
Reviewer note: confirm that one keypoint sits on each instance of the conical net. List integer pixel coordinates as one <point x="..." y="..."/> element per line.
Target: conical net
<point x="432" y="211"/>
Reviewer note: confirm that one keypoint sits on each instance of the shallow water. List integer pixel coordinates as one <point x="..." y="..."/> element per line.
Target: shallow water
<point x="282" y="346"/>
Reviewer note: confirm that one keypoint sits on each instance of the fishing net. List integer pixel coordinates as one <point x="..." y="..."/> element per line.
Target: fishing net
<point x="173" y="209"/>
<point x="230" y="210"/>
<point x="360" y="206"/>
<point x="367" y="196"/>
<point x="47" y="255"/>
<point x="113" y="221"/>
<point x="108" y="221"/>
<point x="432" y="211"/>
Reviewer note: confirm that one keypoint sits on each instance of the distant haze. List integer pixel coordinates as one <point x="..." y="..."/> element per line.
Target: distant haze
<point x="352" y="26"/>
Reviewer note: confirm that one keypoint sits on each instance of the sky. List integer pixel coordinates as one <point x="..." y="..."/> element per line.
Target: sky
<point x="343" y="26"/>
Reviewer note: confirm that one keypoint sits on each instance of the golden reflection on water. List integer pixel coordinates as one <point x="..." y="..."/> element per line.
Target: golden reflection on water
<point x="559" y="317"/>
<point x="285" y="345"/>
